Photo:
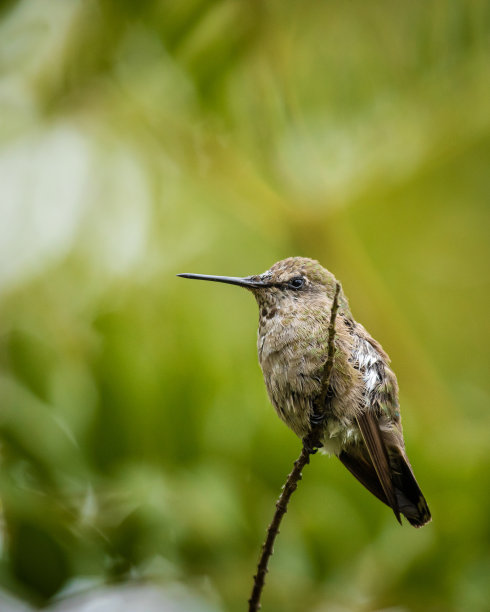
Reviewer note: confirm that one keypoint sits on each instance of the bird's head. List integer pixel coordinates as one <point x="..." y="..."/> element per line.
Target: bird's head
<point x="289" y="281"/>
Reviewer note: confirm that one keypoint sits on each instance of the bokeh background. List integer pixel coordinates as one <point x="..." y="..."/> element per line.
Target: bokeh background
<point x="142" y="139"/>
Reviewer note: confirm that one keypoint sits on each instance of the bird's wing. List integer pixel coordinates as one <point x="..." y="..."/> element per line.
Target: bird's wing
<point x="373" y="438"/>
<point x="357" y="461"/>
<point x="380" y="464"/>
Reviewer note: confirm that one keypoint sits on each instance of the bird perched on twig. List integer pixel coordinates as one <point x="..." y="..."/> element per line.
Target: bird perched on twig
<point x="359" y="410"/>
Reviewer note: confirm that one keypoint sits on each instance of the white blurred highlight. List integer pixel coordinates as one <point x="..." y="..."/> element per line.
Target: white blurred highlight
<point x="57" y="195"/>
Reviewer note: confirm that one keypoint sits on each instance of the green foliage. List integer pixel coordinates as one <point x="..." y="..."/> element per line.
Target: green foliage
<point x="143" y="139"/>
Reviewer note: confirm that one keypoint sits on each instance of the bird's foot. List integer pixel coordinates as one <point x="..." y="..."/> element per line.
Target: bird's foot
<point x="317" y="419"/>
<point x="311" y="443"/>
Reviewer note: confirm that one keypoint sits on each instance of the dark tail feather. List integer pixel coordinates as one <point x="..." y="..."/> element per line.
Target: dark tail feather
<point x="410" y="501"/>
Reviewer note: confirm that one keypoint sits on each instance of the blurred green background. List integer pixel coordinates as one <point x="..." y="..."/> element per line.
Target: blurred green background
<point x="142" y="139"/>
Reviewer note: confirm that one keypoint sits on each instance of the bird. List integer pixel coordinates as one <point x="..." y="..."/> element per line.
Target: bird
<point x="360" y="418"/>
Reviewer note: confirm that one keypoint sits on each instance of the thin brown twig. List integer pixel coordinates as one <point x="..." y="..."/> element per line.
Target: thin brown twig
<point x="310" y="443"/>
<point x="327" y="368"/>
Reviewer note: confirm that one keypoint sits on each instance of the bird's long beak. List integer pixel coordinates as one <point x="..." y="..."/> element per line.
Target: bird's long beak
<point x="249" y="282"/>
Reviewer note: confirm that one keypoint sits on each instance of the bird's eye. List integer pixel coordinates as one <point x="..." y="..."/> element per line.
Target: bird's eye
<point x="296" y="283"/>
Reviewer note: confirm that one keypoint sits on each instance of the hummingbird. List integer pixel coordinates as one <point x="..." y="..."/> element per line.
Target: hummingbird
<point x="360" y="418"/>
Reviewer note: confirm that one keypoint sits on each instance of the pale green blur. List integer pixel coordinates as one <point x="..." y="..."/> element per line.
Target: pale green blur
<point x="143" y="139"/>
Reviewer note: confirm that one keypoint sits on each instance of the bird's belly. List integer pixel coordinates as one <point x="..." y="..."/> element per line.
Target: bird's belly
<point x="293" y="381"/>
<point x="296" y="411"/>
<point x="289" y="385"/>
<point x="293" y="377"/>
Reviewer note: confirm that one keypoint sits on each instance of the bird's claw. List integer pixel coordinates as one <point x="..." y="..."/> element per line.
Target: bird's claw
<point x="317" y="419"/>
<point x="311" y="445"/>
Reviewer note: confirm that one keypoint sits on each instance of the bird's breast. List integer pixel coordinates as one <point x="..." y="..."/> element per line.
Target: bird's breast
<point x="291" y="358"/>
